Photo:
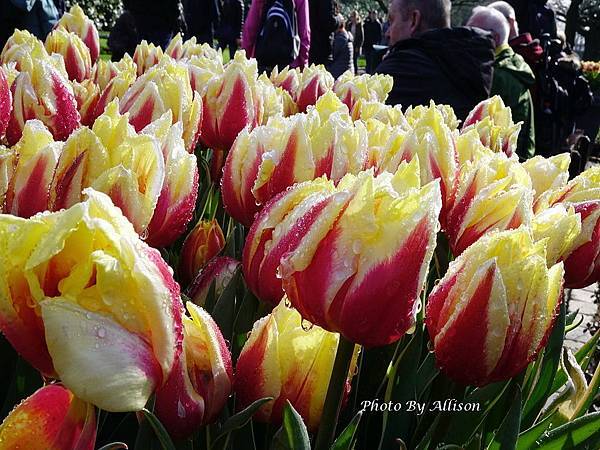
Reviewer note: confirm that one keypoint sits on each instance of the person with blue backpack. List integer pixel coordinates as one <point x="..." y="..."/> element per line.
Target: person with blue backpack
<point x="277" y="33"/>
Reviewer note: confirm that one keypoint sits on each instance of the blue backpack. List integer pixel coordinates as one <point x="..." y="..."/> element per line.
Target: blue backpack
<point x="278" y="43"/>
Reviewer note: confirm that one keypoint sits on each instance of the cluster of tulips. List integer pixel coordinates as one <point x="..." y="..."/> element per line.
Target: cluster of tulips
<point x="344" y="204"/>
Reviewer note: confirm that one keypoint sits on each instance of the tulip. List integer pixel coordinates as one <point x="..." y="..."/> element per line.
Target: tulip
<point x="178" y="49"/>
<point x="146" y="56"/>
<point x="75" y="21"/>
<point x="83" y="160"/>
<point x="561" y="227"/>
<point x="267" y="160"/>
<point x="336" y="249"/>
<point x="41" y="92"/>
<point x="37" y="157"/>
<point x="231" y="102"/>
<point x="390" y="115"/>
<point x="220" y="271"/>
<point x="433" y="142"/>
<point x="5" y="102"/>
<point x="273" y="101"/>
<point x="76" y="55"/>
<point x="161" y="88"/>
<point x="548" y="174"/>
<point x="385" y="146"/>
<point x="493" y="311"/>
<point x="493" y="122"/>
<point x="85" y="300"/>
<point x="22" y="45"/>
<point x="314" y="82"/>
<point x="470" y="149"/>
<point x="137" y="167"/>
<point x="350" y="88"/>
<point x="87" y="95"/>
<point x="8" y="161"/>
<point x="414" y="114"/>
<point x="289" y="362"/>
<point x="582" y="265"/>
<point x="203" y="243"/>
<point x="104" y="71"/>
<point x="493" y="193"/>
<point x="288" y="79"/>
<point x="115" y="88"/>
<point x="204" y="71"/>
<point x="175" y="206"/>
<point x="199" y="386"/>
<point x="52" y="418"/>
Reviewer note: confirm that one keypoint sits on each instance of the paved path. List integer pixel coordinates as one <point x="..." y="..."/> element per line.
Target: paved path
<point x="582" y="300"/>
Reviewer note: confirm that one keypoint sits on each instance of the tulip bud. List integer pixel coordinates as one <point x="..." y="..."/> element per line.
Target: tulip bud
<point x="288" y="79"/>
<point x="203" y="243"/>
<point x="561" y="227"/>
<point x="493" y="311"/>
<point x="22" y="45"/>
<point x="390" y="115"/>
<point x="385" y="146"/>
<point x="8" y="162"/>
<point x="203" y="71"/>
<point x="414" y="114"/>
<point x="272" y="101"/>
<point x="548" y="174"/>
<point x="52" y="418"/>
<point x="493" y="122"/>
<point x="5" y="102"/>
<point x="146" y="56"/>
<point x="76" y="55"/>
<point x="314" y="82"/>
<point x="177" y="200"/>
<point x="87" y="95"/>
<point x="289" y="362"/>
<point x="41" y="92"/>
<point x="350" y="88"/>
<point x="83" y="160"/>
<point x="163" y="87"/>
<point x="220" y="271"/>
<point x="104" y="71"/>
<point x="178" y="49"/>
<point x="199" y="386"/>
<point x="87" y="301"/>
<point x="116" y="88"/>
<point x="493" y="193"/>
<point x="231" y="102"/>
<point x="470" y="149"/>
<point x="37" y="157"/>
<point x="75" y="21"/>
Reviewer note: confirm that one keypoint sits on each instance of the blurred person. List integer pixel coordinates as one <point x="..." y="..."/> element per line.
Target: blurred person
<point x="229" y="31"/>
<point x="322" y="23"/>
<point x="535" y="17"/>
<point x="123" y="37"/>
<point x="202" y="18"/>
<point x="276" y="42"/>
<point x="431" y="61"/>
<point x="513" y="78"/>
<point x="342" y="50"/>
<point x="36" y="16"/>
<point x="372" y="36"/>
<point x="523" y="44"/>
<point x="157" y="21"/>
<point x="355" y="28"/>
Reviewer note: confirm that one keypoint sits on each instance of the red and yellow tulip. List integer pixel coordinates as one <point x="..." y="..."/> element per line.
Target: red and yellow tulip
<point x="83" y="299"/>
<point x="203" y="243"/>
<point x="146" y="56"/>
<point x="548" y="174"/>
<point x="351" y="88"/>
<point x="201" y="382"/>
<point x="52" y="418"/>
<point x="220" y="271"/>
<point x="74" y="52"/>
<point x="286" y="360"/>
<point x="5" y="102"/>
<point x="75" y="21"/>
<point x="314" y="82"/>
<point x="492" y="312"/>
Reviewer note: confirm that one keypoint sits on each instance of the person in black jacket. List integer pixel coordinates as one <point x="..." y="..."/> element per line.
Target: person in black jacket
<point x="201" y="18"/>
<point x="372" y="35"/>
<point x="323" y="23"/>
<point x="157" y="21"/>
<point x="431" y="61"/>
<point x="343" y="50"/>
<point x="229" y="31"/>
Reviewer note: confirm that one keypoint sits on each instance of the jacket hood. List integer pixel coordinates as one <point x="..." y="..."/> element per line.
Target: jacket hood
<point x="516" y="65"/>
<point x="464" y="54"/>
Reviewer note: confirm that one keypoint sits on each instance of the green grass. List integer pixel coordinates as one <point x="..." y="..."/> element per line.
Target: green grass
<point x="104" y="50"/>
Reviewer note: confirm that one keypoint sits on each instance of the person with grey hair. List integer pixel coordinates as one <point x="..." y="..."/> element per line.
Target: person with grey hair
<point x="508" y="12"/>
<point x="431" y="61"/>
<point x="513" y="78"/>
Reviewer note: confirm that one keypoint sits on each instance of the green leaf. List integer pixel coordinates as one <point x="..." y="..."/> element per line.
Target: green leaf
<point x="114" y="446"/>
<point x="528" y="437"/>
<point x="590" y="395"/>
<point x="159" y="430"/>
<point x="508" y="433"/>
<point x="241" y="418"/>
<point x="346" y="438"/>
<point x="582" y="433"/>
<point x="293" y="434"/>
<point x="542" y="388"/>
<point x="583" y="356"/>
<point x="570" y="325"/>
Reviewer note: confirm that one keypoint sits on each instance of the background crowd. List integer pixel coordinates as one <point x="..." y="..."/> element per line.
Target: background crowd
<point x="512" y="49"/>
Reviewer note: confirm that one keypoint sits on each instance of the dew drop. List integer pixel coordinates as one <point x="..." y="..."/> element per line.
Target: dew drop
<point x="306" y="325"/>
<point x="101" y="333"/>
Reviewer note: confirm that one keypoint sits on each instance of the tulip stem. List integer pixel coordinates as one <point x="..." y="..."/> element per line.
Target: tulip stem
<point x="335" y="393"/>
